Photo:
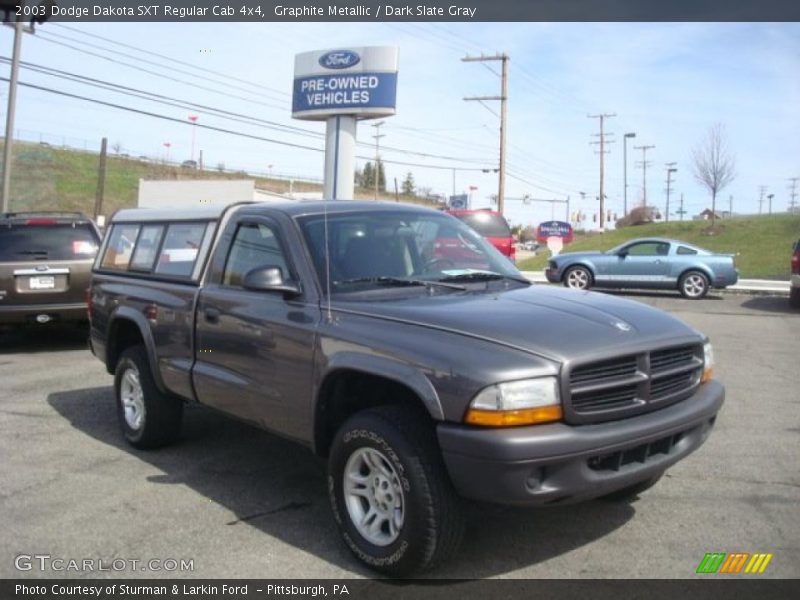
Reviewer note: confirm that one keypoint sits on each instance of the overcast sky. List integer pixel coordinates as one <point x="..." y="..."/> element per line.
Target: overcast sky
<point x="668" y="83"/>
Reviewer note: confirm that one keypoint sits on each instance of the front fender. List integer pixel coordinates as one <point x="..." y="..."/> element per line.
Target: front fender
<point x="382" y="366"/>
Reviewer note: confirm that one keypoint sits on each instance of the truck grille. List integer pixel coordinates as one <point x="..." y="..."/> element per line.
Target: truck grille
<point x="632" y="384"/>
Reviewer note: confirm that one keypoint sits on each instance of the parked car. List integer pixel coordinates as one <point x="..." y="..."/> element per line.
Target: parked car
<point x="189" y="164"/>
<point x="491" y="225"/>
<point x="646" y="263"/>
<point x="335" y="324"/>
<point x="45" y="266"/>
<point x="794" y="293"/>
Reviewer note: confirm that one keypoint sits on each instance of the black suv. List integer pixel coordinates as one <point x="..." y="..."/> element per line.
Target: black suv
<point x="45" y="266"/>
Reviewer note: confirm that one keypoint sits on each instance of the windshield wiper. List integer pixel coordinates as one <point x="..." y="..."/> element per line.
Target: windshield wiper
<point x="400" y="282"/>
<point x="31" y="252"/>
<point x="482" y="276"/>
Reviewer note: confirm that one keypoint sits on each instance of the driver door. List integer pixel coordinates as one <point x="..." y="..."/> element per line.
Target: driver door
<point x="643" y="264"/>
<point x="254" y="348"/>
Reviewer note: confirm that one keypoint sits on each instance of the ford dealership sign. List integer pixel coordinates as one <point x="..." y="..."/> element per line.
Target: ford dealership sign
<point x="359" y="82"/>
<point x="339" y="59"/>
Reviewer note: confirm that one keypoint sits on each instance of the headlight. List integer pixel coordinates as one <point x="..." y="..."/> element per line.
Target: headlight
<point x="523" y="402"/>
<point x="708" y="362"/>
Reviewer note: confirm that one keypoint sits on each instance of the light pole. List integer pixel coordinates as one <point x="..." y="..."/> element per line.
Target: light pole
<point x="770" y="197"/>
<point x="167" y="146"/>
<point x="625" y="171"/>
<point x="193" y="119"/>
<point x="670" y="170"/>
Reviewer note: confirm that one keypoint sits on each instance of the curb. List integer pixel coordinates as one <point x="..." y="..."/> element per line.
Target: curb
<point x="752" y="287"/>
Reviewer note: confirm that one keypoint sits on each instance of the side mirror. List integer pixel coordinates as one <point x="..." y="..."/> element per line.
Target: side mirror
<point x="269" y="278"/>
<point x="622" y="253"/>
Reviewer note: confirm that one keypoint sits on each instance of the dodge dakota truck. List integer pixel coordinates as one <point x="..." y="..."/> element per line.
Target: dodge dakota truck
<point x="425" y="377"/>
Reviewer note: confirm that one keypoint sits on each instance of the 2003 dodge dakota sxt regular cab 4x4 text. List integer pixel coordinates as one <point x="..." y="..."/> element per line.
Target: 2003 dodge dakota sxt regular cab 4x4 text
<point x="425" y="372"/>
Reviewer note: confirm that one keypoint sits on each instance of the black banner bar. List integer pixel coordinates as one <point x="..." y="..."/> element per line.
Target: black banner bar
<point x="405" y="11"/>
<point x="711" y="587"/>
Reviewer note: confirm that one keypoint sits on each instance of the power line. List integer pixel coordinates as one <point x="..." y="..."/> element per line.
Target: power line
<point x="161" y="75"/>
<point x="503" y="98"/>
<point x="644" y="164"/>
<point x="175" y="60"/>
<point x="218" y="112"/>
<point x="602" y="142"/>
<point x="220" y="129"/>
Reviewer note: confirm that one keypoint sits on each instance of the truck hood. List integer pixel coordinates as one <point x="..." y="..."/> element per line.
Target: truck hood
<point x="554" y="323"/>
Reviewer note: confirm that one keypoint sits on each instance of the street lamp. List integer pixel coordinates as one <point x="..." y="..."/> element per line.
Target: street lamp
<point x="167" y="146"/>
<point x="193" y="119"/>
<point x="625" y="171"/>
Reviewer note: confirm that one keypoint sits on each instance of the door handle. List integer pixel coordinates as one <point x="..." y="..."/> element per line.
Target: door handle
<point x="212" y="314"/>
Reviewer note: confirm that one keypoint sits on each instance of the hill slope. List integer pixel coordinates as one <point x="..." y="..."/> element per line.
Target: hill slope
<point x="763" y="243"/>
<point x="49" y="178"/>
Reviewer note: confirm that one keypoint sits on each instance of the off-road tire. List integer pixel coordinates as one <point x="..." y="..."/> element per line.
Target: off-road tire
<point x="162" y="414"/>
<point x="433" y="522"/>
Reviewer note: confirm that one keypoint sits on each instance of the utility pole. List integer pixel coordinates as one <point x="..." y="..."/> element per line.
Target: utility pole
<point x="101" y="179"/>
<point x="761" y="190"/>
<point x="377" y="137"/>
<point x="503" y="98"/>
<point x="644" y="164"/>
<point x="625" y="171"/>
<point x="602" y="142"/>
<point x="730" y="206"/>
<point x="793" y="194"/>
<point x="670" y="170"/>
<point x="12" y="103"/>
<point x="682" y="212"/>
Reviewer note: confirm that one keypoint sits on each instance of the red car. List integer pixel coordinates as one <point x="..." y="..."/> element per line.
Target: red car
<point x="491" y="225"/>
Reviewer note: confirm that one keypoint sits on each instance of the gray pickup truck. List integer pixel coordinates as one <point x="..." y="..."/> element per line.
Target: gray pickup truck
<point x="398" y="343"/>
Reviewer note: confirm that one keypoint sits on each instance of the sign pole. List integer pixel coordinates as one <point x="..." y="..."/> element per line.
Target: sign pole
<point x="340" y="150"/>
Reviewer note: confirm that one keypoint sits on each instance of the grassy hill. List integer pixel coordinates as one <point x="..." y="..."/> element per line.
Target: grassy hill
<point x="763" y="242"/>
<point x="50" y="178"/>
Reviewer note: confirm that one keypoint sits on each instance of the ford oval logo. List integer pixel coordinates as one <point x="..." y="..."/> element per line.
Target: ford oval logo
<point x="339" y="59"/>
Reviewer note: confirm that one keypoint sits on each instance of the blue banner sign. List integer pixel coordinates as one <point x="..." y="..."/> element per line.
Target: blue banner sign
<point x="550" y="229"/>
<point x="338" y="91"/>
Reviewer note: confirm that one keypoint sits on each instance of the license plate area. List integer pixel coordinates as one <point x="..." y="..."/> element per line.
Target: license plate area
<point x="42" y="282"/>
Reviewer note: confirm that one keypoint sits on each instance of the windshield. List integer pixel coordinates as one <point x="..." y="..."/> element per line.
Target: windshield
<point x="21" y="242"/>
<point x="372" y="249"/>
<point x="487" y="224"/>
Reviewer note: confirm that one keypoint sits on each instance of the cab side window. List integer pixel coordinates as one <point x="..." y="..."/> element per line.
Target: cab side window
<point x="649" y="249"/>
<point x="254" y="245"/>
<point x="120" y="247"/>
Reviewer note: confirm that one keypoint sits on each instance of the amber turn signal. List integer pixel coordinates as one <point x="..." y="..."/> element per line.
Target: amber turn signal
<point x="512" y="418"/>
<point x="707" y="375"/>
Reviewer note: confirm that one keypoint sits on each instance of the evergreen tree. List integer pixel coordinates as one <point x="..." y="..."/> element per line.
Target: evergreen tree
<point x="408" y="184"/>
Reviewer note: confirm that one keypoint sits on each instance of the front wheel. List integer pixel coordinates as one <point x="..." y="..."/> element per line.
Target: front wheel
<point x="693" y="285"/>
<point x="149" y="418"/>
<point x="578" y="278"/>
<point x="390" y="493"/>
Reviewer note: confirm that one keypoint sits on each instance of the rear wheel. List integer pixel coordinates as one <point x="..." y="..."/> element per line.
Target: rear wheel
<point x="390" y="493"/>
<point x="578" y="278"/>
<point x="693" y="285"/>
<point x="149" y="419"/>
<point x="794" y="297"/>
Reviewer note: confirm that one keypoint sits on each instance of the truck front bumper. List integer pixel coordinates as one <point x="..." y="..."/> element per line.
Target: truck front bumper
<point x="559" y="463"/>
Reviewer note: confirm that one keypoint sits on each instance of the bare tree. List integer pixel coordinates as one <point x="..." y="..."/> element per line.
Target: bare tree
<point x="713" y="164"/>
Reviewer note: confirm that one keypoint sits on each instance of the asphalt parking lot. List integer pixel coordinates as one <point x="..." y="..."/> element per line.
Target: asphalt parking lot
<point x="242" y="503"/>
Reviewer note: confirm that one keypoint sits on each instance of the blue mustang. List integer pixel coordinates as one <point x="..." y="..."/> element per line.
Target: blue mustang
<point x="646" y="263"/>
